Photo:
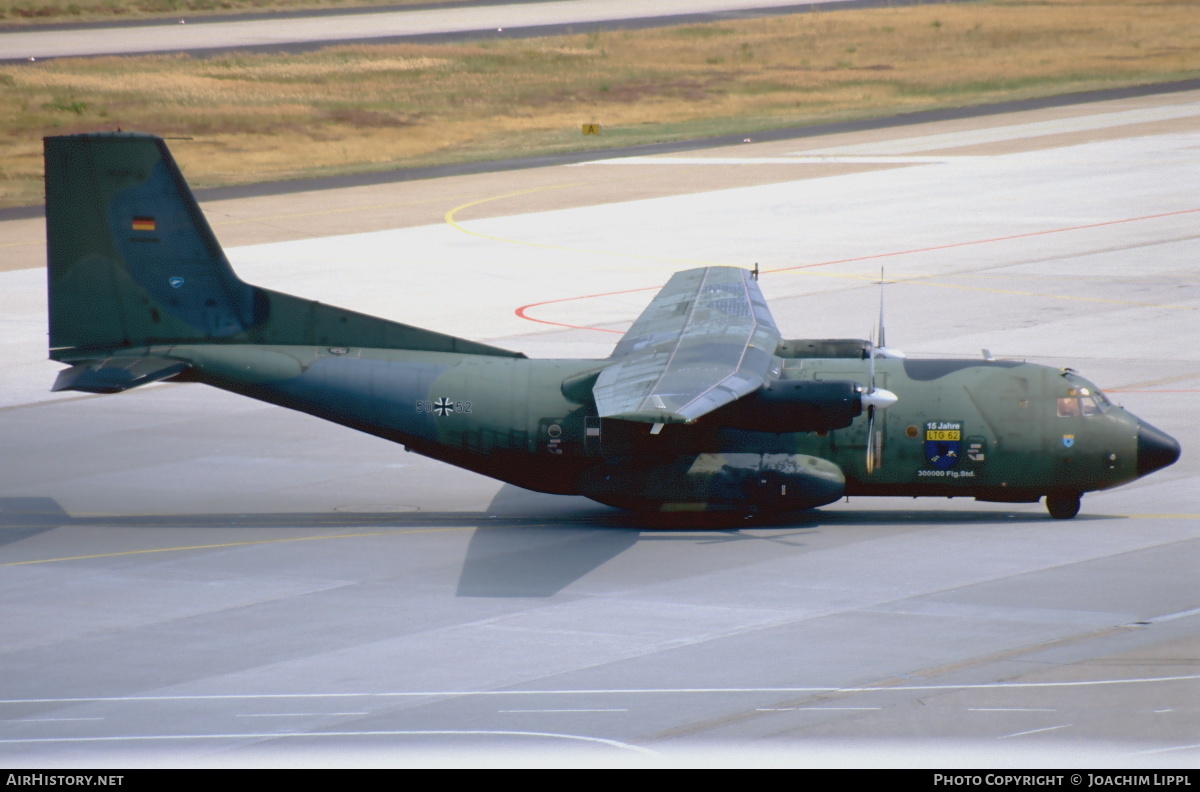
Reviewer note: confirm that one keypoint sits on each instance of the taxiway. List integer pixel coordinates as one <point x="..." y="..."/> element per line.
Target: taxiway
<point x="191" y="575"/>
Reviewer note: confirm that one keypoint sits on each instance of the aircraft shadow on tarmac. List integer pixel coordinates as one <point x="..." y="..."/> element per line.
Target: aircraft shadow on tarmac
<point x="525" y="544"/>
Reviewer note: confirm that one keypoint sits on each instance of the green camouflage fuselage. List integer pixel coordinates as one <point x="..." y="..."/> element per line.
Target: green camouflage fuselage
<point x="510" y="418"/>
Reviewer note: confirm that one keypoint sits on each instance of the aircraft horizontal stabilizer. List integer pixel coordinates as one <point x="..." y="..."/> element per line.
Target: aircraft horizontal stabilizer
<point x="116" y="374"/>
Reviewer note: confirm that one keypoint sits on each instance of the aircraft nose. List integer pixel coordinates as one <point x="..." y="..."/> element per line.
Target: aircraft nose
<point x="1155" y="449"/>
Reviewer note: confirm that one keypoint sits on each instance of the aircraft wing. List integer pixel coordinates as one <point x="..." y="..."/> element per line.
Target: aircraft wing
<point x="705" y="340"/>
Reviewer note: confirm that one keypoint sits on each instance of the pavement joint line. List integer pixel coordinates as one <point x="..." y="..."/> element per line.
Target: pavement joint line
<point x="606" y="691"/>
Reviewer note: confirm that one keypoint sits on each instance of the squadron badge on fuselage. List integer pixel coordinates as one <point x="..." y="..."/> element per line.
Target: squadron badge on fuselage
<point x="942" y="443"/>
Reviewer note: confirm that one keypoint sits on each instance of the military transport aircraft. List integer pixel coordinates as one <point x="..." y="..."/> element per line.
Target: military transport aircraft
<point x="701" y="406"/>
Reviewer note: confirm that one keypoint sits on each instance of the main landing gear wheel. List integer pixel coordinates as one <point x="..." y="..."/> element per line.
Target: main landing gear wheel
<point x="1063" y="507"/>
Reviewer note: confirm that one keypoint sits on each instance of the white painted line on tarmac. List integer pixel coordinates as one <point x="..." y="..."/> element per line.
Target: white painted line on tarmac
<point x="999" y="134"/>
<point x="607" y="691"/>
<point x="805" y="709"/>
<point x="396" y="733"/>
<point x="565" y="710"/>
<point x="295" y="714"/>
<point x="819" y="159"/>
<point x="1189" y="747"/>
<point x="1035" y="731"/>
<point x="1174" y="616"/>
<point x="1010" y="709"/>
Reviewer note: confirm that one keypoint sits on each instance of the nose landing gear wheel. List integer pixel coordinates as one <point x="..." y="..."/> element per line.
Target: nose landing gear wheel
<point x="1062" y="506"/>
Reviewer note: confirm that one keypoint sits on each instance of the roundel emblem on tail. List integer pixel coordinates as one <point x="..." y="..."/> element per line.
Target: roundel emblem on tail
<point x="176" y="282"/>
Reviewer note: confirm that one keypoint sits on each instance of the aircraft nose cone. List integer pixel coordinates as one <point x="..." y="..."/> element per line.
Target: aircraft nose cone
<point x="1155" y="449"/>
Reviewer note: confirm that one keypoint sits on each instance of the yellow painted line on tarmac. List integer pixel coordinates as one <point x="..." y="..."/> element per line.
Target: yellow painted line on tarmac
<point x="1139" y="279"/>
<point x="923" y="280"/>
<point x="233" y="544"/>
<point x="1161" y="516"/>
<point x="1073" y="298"/>
<point x="450" y="221"/>
<point x="1156" y="382"/>
<point x="343" y="210"/>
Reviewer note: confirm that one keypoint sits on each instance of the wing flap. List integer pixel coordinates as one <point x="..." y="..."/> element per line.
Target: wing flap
<point x="706" y="339"/>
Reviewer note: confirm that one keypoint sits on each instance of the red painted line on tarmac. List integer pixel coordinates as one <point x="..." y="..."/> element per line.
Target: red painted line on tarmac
<point x="986" y="241"/>
<point x="523" y="310"/>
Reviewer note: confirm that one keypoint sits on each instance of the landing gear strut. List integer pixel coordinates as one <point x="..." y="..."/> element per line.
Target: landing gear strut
<point x="1063" y="506"/>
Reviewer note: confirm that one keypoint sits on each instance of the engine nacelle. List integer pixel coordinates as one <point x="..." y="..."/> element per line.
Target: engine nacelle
<point x="715" y="482"/>
<point x="794" y="406"/>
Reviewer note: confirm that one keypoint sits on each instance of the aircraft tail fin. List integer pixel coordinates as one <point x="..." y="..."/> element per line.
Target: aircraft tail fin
<point x="132" y="263"/>
<point x="131" y="260"/>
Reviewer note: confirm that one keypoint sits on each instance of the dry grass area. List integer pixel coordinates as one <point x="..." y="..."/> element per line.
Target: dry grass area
<point x="269" y="117"/>
<point x="35" y="12"/>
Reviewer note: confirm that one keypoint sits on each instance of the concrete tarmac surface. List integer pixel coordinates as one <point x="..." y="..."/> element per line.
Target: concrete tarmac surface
<point x="191" y="577"/>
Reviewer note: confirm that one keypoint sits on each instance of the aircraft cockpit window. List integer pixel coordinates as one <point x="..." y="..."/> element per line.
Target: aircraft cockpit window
<point x="1082" y="401"/>
<point x="1068" y="407"/>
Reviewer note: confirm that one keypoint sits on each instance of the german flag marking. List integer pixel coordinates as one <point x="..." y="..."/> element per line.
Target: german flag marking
<point x="143" y="224"/>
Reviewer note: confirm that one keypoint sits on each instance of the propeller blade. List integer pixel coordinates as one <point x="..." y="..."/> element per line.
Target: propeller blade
<point x="882" y="337"/>
<point x="871" y="367"/>
<point x="870" y="440"/>
<point x="877" y="398"/>
<point x="882" y="350"/>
